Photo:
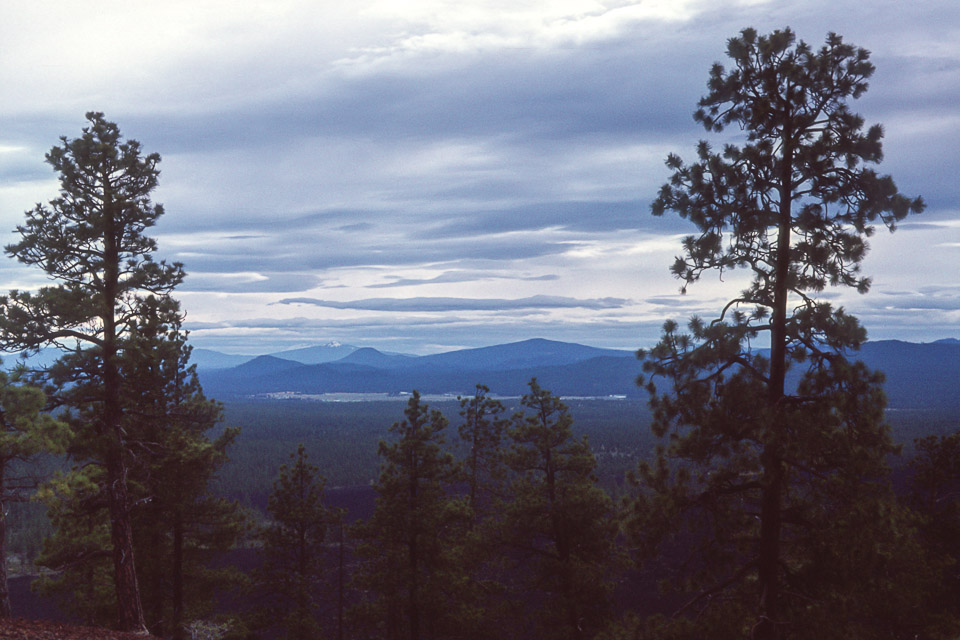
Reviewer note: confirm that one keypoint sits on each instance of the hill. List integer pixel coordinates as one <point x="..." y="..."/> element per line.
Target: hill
<point x="570" y="369"/>
<point x="918" y="375"/>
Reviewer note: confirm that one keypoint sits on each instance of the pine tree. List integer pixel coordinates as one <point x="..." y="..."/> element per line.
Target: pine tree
<point x="25" y="431"/>
<point x="181" y="525"/>
<point x="293" y="558"/>
<point x="91" y="241"/>
<point x="411" y="572"/>
<point x="177" y="524"/>
<point x="483" y="557"/>
<point x="558" y="520"/>
<point x="482" y="430"/>
<point x="753" y="465"/>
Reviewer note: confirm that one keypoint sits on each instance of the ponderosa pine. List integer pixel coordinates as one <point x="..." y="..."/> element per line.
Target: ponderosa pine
<point x="410" y="568"/>
<point x="91" y="241"/>
<point x="751" y="458"/>
<point x="178" y="525"/>
<point x="557" y="521"/>
<point x="293" y="552"/>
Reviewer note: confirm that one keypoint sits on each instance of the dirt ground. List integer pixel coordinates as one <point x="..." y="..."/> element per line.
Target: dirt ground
<point x="19" y="629"/>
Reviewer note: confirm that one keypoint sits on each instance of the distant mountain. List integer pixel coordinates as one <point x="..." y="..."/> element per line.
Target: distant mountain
<point x="535" y="352"/>
<point x="565" y="368"/>
<point x="266" y="365"/>
<point x="317" y="355"/>
<point x="517" y="355"/>
<point x="207" y="359"/>
<point x="918" y="375"/>
<point x="371" y="357"/>
<point x="925" y="375"/>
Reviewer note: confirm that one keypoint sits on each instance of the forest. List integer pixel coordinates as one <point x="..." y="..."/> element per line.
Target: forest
<point x="761" y="494"/>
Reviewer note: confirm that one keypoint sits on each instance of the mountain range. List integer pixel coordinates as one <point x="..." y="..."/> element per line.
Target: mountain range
<point x="925" y="375"/>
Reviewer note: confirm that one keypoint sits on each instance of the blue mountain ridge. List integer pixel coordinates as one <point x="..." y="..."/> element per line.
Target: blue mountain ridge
<point x="917" y="375"/>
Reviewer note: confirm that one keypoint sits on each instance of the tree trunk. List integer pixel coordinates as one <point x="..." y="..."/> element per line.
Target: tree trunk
<point x="340" y="601"/>
<point x="129" y="607"/>
<point x="414" y="596"/>
<point x="178" y="576"/>
<point x="154" y="593"/>
<point x="771" y="506"/>
<point x="4" y="588"/>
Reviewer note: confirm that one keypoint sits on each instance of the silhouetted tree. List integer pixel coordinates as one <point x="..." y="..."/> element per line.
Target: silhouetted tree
<point x="293" y="561"/>
<point x="181" y="525"/>
<point x="178" y="525"/>
<point x="482" y="429"/>
<point x="484" y="558"/>
<point x="91" y="241"/>
<point x="411" y="572"/>
<point x="558" y="521"/>
<point x="755" y="465"/>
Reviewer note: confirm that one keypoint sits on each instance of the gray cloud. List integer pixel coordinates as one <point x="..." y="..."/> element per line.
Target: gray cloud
<point x="677" y="302"/>
<point x="916" y="302"/>
<point x="477" y="161"/>
<point x="419" y="334"/>
<point x="462" y="304"/>
<point x="459" y="276"/>
<point x="259" y="283"/>
<point x="308" y="245"/>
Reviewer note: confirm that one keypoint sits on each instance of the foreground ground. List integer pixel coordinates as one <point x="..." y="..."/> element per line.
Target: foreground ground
<point x="19" y="629"/>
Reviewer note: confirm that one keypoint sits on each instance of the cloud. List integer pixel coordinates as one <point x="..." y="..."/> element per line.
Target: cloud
<point x="432" y="305"/>
<point x="417" y="334"/>
<point x="678" y="301"/>
<point x="456" y="276"/>
<point x="240" y="282"/>
<point x="926" y="299"/>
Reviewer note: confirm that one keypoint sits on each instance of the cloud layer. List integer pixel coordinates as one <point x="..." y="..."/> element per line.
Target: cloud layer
<point x="434" y="305"/>
<point x="487" y="164"/>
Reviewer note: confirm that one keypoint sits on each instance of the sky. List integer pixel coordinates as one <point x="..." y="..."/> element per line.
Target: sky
<point x="429" y="175"/>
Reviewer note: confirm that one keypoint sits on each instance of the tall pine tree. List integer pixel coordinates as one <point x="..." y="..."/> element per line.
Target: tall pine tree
<point x="411" y="572"/>
<point x="91" y="240"/>
<point x="483" y="430"/>
<point x="557" y="520"/>
<point x="754" y="465"/>
<point x="178" y="525"/>
<point x="175" y="454"/>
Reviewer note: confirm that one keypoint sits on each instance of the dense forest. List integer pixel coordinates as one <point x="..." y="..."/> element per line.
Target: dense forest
<point x="757" y="494"/>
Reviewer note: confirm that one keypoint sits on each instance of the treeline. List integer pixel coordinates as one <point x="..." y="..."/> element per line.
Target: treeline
<point x="341" y="439"/>
<point x="515" y="539"/>
<point x="511" y="536"/>
<point x="494" y="524"/>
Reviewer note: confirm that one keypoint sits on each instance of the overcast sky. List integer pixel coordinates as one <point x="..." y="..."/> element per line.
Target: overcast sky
<point x="426" y="175"/>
